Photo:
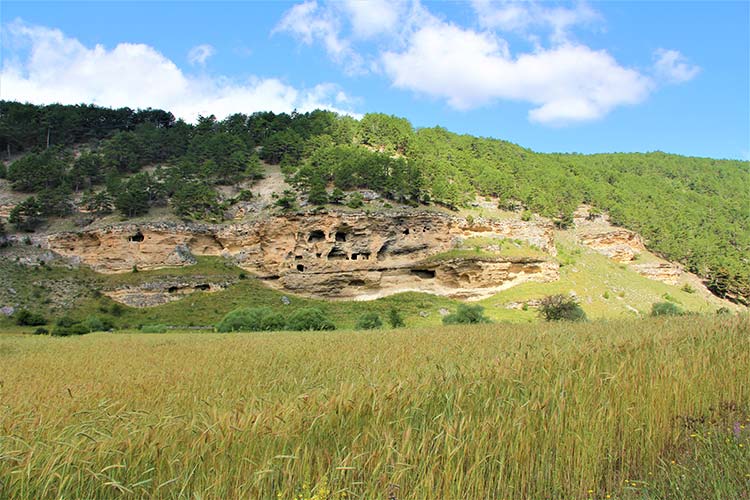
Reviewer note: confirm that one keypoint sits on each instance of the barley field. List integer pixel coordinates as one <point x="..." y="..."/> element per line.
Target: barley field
<point x="629" y="409"/>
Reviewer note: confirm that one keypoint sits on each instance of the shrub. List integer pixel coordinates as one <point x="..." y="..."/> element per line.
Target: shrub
<point x="466" y="314"/>
<point x="526" y="215"/>
<point x="28" y="318"/>
<point x="369" y="321"/>
<point x="665" y="309"/>
<point x="356" y="200"/>
<point x="116" y="309"/>
<point x="395" y="319"/>
<point x="687" y="288"/>
<point x="723" y="310"/>
<point x="309" y="318"/>
<point x="251" y="319"/>
<point x="154" y="328"/>
<point x="561" y="308"/>
<point x="41" y="331"/>
<point x="97" y="324"/>
<point x="74" y="329"/>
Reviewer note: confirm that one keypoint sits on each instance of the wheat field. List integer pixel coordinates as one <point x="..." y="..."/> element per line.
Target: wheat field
<point x="640" y="409"/>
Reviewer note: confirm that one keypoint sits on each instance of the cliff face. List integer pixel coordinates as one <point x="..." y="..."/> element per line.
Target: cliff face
<point x="336" y="255"/>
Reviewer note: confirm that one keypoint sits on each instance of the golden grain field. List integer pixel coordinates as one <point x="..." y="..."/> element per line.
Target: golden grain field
<point x="641" y="409"/>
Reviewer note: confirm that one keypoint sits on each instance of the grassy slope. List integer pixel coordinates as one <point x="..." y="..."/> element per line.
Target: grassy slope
<point x="633" y="409"/>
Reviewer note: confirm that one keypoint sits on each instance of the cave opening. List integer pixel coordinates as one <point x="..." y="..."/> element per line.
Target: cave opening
<point x="337" y="254"/>
<point x="300" y="268"/>
<point x="316" y="236"/>
<point x="202" y="286"/>
<point x="340" y="236"/>
<point x="406" y="231"/>
<point x="137" y="237"/>
<point x="357" y="282"/>
<point x="425" y="274"/>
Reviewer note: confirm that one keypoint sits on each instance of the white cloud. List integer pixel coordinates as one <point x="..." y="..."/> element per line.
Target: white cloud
<point x="59" y="69"/>
<point x="370" y="18"/>
<point x="566" y="84"/>
<point x="672" y="67"/>
<point x="310" y="23"/>
<point x="200" y="54"/>
<point x="523" y="16"/>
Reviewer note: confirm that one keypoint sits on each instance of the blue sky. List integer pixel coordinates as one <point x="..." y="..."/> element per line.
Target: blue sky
<point x="585" y="77"/>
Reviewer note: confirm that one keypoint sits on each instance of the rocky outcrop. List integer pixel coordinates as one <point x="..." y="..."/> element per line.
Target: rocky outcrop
<point x="594" y="230"/>
<point x="620" y="245"/>
<point x="161" y="292"/>
<point x="330" y="254"/>
<point x="660" y="271"/>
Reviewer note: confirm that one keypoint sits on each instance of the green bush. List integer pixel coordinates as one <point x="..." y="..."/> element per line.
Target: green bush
<point x="24" y="317"/>
<point x="309" y="318"/>
<point x="369" y="321"/>
<point x="666" y="309"/>
<point x="355" y="200"/>
<point x="154" y="328"/>
<point x="687" y="288"/>
<point x="561" y="308"/>
<point x="41" y="331"/>
<point x="251" y="319"/>
<point x="97" y="324"/>
<point x="395" y="319"/>
<point x="466" y="314"/>
<point x="73" y="329"/>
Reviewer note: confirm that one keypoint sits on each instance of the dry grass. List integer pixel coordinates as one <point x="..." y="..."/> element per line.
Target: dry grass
<point x="515" y="412"/>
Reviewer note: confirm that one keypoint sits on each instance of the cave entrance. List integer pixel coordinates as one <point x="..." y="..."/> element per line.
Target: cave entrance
<point x="340" y="236"/>
<point x="425" y="274"/>
<point x="316" y="236"/>
<point x="337" y="254"/>
<point x="300" y="268"/>
<point x="137" y="237"/>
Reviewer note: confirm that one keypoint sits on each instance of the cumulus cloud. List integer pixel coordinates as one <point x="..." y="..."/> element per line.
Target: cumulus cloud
<point x="200" y="54"/>
<point x="672" y="67"/>
<point x="524" y="16"/>
<point x="564" y="81"/>
<point x="568" y="83"/>
<point x="310" y="23"/>
<point x="43" y="65"/>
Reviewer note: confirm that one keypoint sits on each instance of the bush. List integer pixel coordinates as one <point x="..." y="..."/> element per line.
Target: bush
<point x="561" y="308"/>
<point x="395" y="319"/>
<point x="28" y="318"/>
<point x="666" y="309"/>
<point x="251" y="319"/>
<point x="154" y="328"/>
<point x="41" y="331"/>
<point x="74" y="329"/>
<point x="97" y="324"/>
<point x="309" y="318"/>
<point x="356" y="200"/>
<point x="466" y="314"/>
<point x="369" y="321"/>
<point x="687" y="288"/>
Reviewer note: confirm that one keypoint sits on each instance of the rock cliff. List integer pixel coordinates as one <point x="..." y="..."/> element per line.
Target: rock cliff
<point x="334" y="255"/>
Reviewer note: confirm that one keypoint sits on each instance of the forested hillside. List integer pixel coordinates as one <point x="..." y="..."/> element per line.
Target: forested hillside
<point x="692" y="210"/>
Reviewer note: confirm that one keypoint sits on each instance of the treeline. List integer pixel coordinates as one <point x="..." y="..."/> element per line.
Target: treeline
<point x="691" y="210"/>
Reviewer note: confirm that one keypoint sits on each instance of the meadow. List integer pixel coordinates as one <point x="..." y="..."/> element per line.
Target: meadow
<point x="655" y="408"/>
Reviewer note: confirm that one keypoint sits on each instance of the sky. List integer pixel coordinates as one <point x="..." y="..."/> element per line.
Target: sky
<point x="551" y="76"/>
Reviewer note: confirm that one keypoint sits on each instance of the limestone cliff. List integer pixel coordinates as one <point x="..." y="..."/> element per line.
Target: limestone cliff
<point x="335" y="255"/>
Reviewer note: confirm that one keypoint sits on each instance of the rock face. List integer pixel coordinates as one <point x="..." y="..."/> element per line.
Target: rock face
<point x="596" y="232"/>
<point x="620" y="245"/>
<point x="660" y="271"/>
<point x="336" y="255"/>
<point x="161" y="292"/>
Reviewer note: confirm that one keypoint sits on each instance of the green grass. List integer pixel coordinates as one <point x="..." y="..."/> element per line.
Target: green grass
<point x="630" y="410"/>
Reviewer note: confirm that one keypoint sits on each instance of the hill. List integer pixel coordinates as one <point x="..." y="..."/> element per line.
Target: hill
<point x="82" y="169"/>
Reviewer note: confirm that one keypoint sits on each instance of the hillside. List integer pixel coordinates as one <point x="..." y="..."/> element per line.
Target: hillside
<point x="318" y="206"/>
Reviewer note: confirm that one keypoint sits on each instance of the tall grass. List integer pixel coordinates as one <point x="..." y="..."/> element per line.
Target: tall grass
<point x="630" y="409"/>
